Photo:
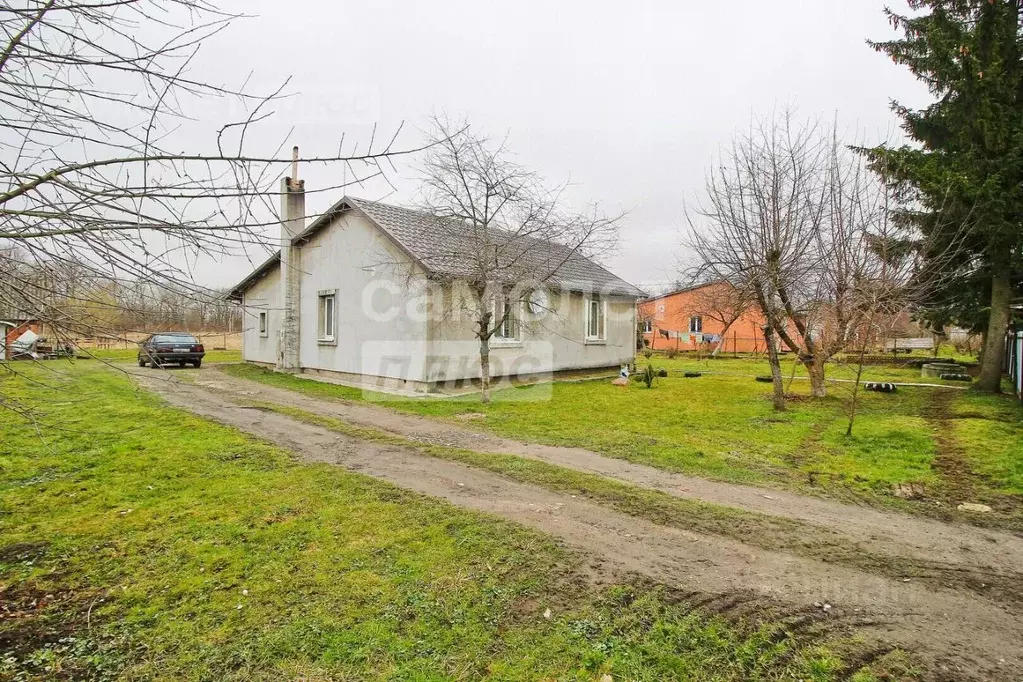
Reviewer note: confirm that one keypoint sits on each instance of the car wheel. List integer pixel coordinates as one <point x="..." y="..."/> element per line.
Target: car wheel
<point x="183" y="364"/>
<point x="154" y="363"/>
<point x="197" y="363"/>
<point x="142" y="363"/>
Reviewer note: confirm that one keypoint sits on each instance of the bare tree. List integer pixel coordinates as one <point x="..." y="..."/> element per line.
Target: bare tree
<point x="95" y="185"/>
<point x="794" y="216"/>
<point x="761" y="211"/>
<point x="503" y="230"/>
<point x="903" y="271"/>
<point x="725" y="303"/>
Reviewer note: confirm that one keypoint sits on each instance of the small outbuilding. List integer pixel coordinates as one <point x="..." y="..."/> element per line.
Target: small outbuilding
<point x="12" y="328"/>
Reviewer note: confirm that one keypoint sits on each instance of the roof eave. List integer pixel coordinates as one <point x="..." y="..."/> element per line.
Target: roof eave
<point x="237" y="292"/>
<point x="685" y="290"/>
<point x="352" y="204"/>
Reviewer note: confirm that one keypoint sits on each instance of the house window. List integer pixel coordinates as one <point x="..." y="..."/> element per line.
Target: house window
<point x="327" y="317"/>
<point x="263" y="327"/>
<point x="508" y="325"/>
<point x="596" y="310"/>
<point x="648" y="327"/>
<point x="695" y="324"/>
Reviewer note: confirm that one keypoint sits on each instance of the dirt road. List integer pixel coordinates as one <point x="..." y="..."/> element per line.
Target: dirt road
<point x="969" y="636"/>
<point x="954" y="545"/>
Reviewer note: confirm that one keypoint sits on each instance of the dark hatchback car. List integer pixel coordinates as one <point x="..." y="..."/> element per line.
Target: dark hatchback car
<point x="170" y="348"/>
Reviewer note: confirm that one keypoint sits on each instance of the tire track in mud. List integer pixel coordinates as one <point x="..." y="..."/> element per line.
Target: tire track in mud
<point x="953" y="546"/>
<point x="971" y="637"/>
<point x="950" y="461"/>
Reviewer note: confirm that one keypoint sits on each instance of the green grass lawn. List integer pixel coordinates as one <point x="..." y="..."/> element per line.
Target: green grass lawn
<point x="722" y="425"/>
<point x="842" y="372"/>
<point x="140" y="542"/>
<point x="946" y="353"/>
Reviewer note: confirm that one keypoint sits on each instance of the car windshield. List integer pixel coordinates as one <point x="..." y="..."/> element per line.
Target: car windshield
<point x="182" y="340"/>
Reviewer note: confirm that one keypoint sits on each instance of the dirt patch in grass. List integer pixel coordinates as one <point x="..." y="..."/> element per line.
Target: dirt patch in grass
<point x="798" y="456"/>
<point x="19" y="552"/>
<point x="1004" y="418"/>
<point x="960" y="482"/>
<point x="46" y="633"/>
<point x="950" y="462"/>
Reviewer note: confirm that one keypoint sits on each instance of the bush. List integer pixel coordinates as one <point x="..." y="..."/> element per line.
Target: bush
<point x="648" y="353"/>
<point x="672" y="354"/>
<point x="648" y="376"/>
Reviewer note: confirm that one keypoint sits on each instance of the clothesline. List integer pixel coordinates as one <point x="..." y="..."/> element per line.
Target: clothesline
<point x="688" y="337"/>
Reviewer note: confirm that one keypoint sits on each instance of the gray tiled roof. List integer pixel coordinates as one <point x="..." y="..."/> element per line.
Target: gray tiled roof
<point x="445" y="247"/>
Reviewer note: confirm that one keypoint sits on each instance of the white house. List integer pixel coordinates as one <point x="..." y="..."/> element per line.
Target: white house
<point x="368" y="292"/>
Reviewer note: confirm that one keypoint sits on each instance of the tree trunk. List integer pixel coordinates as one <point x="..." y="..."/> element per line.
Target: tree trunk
<point x="718" y="347"/>
<point x="724" y="339"/>
<point x="485" y="370"/>
<point x="854" y="402"/>
<point x="776" y="378"/>
<point x="990" y="380"/>
<point x="815" y="368"/>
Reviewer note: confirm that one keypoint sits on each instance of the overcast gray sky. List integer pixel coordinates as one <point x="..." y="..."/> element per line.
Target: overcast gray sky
<point x="630" y="101"/>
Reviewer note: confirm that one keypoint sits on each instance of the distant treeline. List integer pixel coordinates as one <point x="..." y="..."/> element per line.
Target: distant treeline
<point x="75" y="300"/>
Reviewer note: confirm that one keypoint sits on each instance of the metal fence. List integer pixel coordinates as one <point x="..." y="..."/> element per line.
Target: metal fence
<point x="1014" y="361"/>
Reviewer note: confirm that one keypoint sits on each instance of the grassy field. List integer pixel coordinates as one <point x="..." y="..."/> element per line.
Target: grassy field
<point x="841" y="372"/>
<point x="946" y="353"/>
<point x="139" y="542"/>
<point x="722" y="425"/>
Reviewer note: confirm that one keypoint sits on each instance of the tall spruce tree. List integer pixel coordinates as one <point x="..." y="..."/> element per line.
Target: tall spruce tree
<point x="962" y="183"/>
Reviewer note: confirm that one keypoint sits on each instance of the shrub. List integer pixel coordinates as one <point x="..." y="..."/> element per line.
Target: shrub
<point x="648" y="376"/>
<point x="648" y="353"/>
<point x="672" y="354"/>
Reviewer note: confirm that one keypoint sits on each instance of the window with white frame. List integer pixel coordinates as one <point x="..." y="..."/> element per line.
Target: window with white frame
<point x="327" y="315"/>
<point x="695" y="324"/>
<point x="648" y="326"/>
<point x="596" y="311"/>
<point x="508" y="327"/>
<point x="264" y="327"/>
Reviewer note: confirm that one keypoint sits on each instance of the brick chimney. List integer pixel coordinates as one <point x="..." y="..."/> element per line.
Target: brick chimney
<point x="292" y="224"/>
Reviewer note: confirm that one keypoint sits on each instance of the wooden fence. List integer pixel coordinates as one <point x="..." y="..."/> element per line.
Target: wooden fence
<point x="212" y="340"/>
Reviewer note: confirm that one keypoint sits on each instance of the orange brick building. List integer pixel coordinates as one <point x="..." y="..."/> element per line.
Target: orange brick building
<point x="696" y="319"/>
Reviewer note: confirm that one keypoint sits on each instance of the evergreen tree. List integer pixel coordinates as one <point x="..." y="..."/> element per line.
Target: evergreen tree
<point x="962" y="183"/>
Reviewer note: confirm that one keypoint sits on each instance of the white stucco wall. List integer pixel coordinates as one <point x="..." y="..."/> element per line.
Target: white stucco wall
<point x="552" y="342"/>
<point x="391" y="323"/>
<point x="377" y="332"/>
<point x="261" y="297"/>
